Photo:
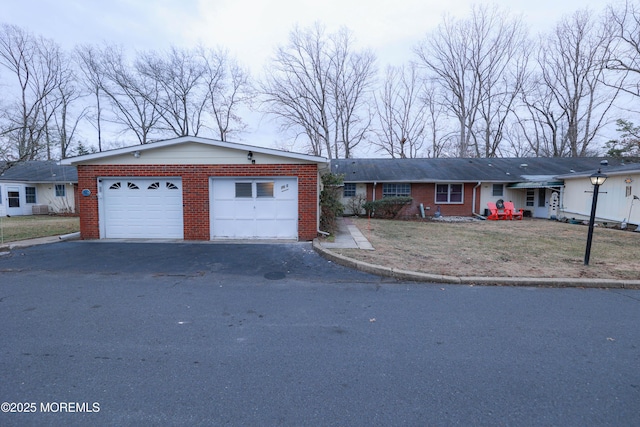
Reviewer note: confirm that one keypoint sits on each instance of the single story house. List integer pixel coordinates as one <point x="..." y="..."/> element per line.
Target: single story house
<point x="618" y="197"/>
<point x="195" y="188"/>
<point x="462" y="187"/>
<point x="37" y="187"/>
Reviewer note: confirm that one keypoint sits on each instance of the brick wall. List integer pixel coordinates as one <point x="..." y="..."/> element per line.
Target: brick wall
<point x="195" y="192"/>
<point x="425" y="193"/>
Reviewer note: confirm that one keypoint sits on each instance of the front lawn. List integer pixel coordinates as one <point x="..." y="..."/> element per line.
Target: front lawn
<point x="528" y="248"/>
<point x="28" y="227"/>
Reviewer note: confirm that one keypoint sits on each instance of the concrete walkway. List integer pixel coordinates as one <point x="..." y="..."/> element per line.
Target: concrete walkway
<point x="347" y="237"/>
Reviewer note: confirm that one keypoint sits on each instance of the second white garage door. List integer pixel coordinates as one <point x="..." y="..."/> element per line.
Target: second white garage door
<point x="141" y="208"/>
<point x="262" y="208"/>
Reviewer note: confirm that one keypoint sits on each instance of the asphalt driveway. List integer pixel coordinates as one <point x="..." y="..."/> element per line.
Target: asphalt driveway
<point x="97" y="333"/>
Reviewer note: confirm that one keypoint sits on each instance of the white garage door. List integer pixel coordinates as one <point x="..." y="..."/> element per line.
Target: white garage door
<point x="254" y="208"/>
<point x="141" y="208"/>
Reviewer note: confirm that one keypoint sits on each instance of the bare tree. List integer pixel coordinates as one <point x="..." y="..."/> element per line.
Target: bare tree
<point x="35" y="63"/>
<point x="67" y="118"/>
<point x="541" y="123"/>
<point x="625" y="51"/>
<point x="228" y="88"/>
<point x="439" y="137"/>
<point x="89" y="63"/>
<point x="477" y="61"/>
<point x="133" y="96"/>
<point x="505" y="70"/>
<point x="402" y="113"/>
<point x="178" y="75"/>
<point x="351" y="79"/>
<point x="572" y="67"/>
<point x="317" y="86"/>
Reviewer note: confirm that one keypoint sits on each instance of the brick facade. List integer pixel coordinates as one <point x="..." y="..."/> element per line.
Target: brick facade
<point x="425" y="193"/>
<point x="195" y="192"/>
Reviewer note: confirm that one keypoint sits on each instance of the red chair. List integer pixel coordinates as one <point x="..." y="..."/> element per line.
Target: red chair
<point x="510" y="210"/>
<point x="494" y="213"/>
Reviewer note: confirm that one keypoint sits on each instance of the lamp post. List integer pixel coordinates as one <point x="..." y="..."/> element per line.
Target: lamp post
<point x="597" y="179"/>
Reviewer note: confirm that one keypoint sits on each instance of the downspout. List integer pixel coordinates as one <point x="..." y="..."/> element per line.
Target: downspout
<point x="473" y="209"/>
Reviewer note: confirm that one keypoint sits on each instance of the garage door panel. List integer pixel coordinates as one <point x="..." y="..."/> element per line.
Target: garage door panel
<point x="142" y="208"/>
<point x="270" y="213"/>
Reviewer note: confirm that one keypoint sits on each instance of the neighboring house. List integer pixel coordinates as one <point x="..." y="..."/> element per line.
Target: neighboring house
<point x="37" y="187"/>
<point x="462" y="187"/>
<point x="618" y="197"/>
<point x="194" y="188"/>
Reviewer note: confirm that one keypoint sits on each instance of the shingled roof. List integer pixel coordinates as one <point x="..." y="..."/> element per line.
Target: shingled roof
<point x="36" y="171"/>
<point x="505" y="170"/>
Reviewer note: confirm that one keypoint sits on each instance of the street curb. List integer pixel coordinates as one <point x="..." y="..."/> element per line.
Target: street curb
<point x="9" y="246"/>
<point x="484" y="281"/>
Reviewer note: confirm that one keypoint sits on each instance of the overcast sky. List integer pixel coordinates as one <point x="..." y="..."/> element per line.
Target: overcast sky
<point x="251" y="29"/>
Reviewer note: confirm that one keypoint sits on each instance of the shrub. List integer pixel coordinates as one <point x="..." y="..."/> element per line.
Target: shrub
<point x="355" y="204"/>
<point x="330" y="205"/>
<point x="387" y="207"/>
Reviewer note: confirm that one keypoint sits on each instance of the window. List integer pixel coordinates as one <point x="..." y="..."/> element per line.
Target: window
<point x="171" y="186"/>
<point x="264" y="189"/>
<point x="132" y="186"/>
<point x="61" y="190"/>
<point x="243" y="190"/>
<point x="530" y="197"/>
<point x="349" y="189"/>
<point x="396" y="190"/>
<point x="153" y="186"/>
<point x="449" y="193"/>
<point x="30" y="193"/>
<point x="498" y="190"/>
<point x="14" y="199"/>
<point x="115" y="186"/>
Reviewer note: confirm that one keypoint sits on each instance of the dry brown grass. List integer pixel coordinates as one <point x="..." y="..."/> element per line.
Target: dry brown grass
<point x="528" y="248"/>
<point x="32" y="226"/>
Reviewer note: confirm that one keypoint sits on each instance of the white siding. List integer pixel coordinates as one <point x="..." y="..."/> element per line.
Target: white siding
<point x="613" y="204"/>
<point x="46" y="195"/>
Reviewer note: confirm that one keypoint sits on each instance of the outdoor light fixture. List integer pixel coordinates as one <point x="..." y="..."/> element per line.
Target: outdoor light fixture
<point x="136" y="154"/>
<point x="250" y="155"/>
<point x="597" y="179"/>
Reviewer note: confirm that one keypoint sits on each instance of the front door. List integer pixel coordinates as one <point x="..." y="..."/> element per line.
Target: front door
<point x="541" y="203"/>
<point x="13" y="201"/>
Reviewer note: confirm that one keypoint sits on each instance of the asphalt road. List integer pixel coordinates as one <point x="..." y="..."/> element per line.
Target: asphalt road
<point x="97" y="333"/>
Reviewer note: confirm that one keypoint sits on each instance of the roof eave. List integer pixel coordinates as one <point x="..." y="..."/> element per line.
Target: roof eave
<point x="73" y="161"/>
